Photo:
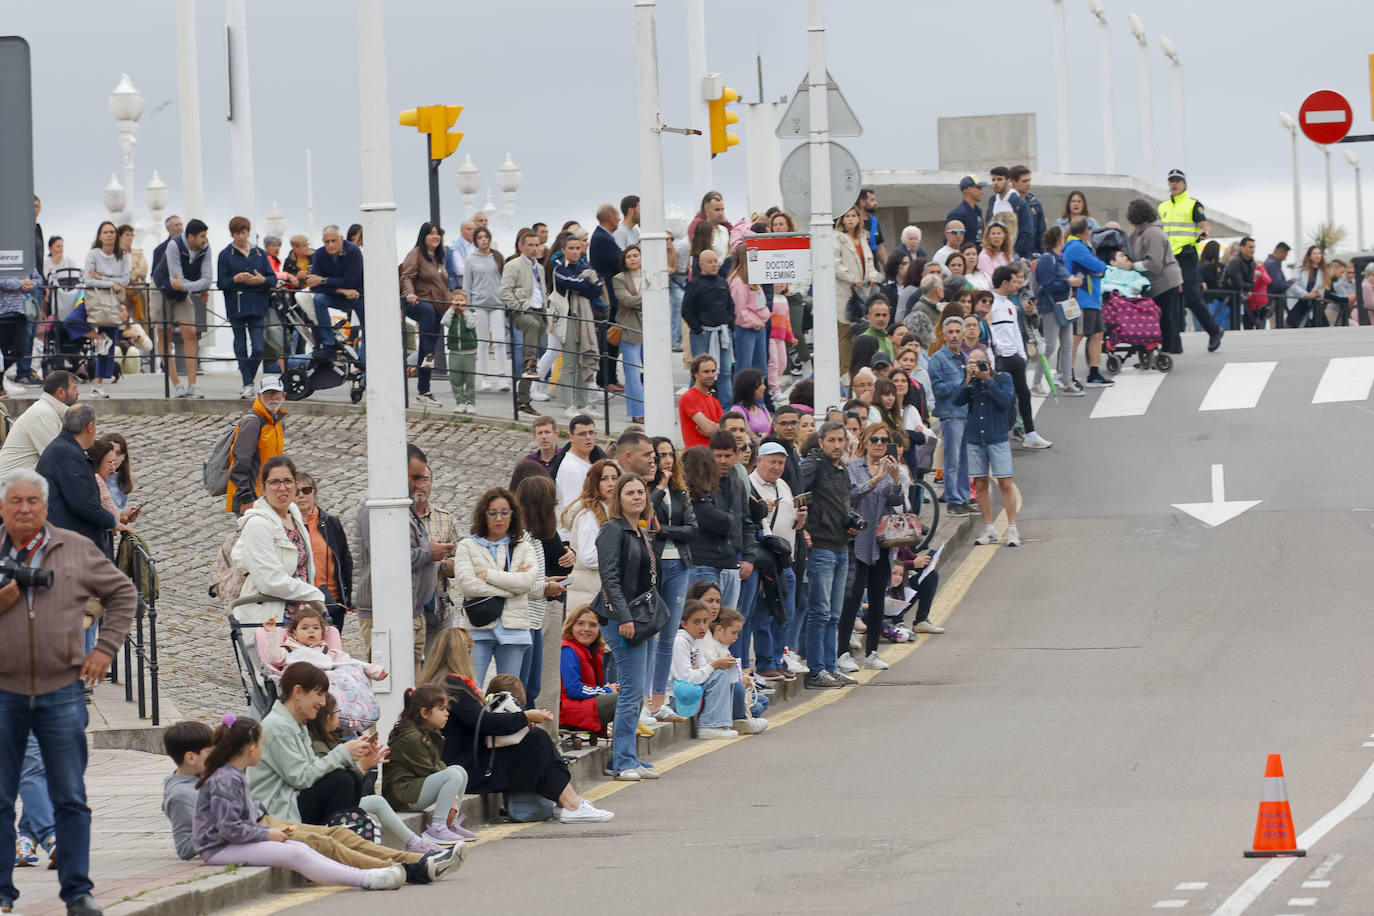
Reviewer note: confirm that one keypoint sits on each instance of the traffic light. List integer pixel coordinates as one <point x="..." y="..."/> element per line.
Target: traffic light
<point x="720" y="118"/>
<point x="435" y="120"/>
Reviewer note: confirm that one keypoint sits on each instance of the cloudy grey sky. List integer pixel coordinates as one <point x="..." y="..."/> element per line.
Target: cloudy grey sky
<point x="554" y="85"/>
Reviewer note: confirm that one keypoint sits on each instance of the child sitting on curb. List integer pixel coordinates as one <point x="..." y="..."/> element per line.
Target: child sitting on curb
<point x="725" y="631"/>
<point x="415" y="776"/>
<point x="713" y="678"/>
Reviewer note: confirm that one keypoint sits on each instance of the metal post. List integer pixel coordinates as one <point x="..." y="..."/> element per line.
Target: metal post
<point x="433" y="165"/>
<point x="388" y="501"/>
<point x="1061" y="84"/>
<point x="827" y="350"/>
<point x="1181" y="138"/>
<point x="1330" y="198"/>
<point x="240" y="111"/>
<point x="309" y="199"/>
<point x="653" y="237"/>
<point x="1297" y="195"/>
<point x="696" y="102"/>
<point x="1104" y="33"/>
<point x="1359" y="201"/>
<point x="188" y="92"/>
<point x="1147" y="112"/>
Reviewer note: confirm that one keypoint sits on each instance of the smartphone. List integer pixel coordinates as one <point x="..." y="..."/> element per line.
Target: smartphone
<point x="891" y="451"/>
<point x="371" y="734"/>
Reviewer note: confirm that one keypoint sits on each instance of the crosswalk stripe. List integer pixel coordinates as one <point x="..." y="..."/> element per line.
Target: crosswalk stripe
<point x="1238" y="386"/>
<point x="1347" y="378"/>
<point x="1129" y="397"/>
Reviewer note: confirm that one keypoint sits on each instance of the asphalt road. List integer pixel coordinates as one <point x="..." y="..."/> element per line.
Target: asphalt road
<point x="1089" y="736"/>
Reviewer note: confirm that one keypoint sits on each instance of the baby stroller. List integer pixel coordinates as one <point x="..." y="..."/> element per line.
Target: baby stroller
<point x="1132" y="329"/>
<point x="64" y="347"/>
<point x="307" y="374"/>
<point x="259" y="689"/>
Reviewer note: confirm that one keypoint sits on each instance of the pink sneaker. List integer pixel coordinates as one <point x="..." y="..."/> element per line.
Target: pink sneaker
<point x="458" y="828"/>
<point x="439" y="833"/>
<point x="423" y="845"/>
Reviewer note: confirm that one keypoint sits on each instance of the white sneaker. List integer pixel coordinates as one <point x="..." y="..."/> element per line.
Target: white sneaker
<point x="179" y="391"/>
<point x="872" y="660"/>
<point x="1035" y="440"/>
<point x="384" y="879"/>
<point x="925" y="626"/>
<point x="794" y="663"/>
<point x="630" y="775"/>
<point x="1013" y="537"/>
<point x="574" y="411"/>
<point x="645" y="717"/>
<point x="537" y="393"/>
<point x="989" y="536"/>
<point x="427" y="400"/>
<point x="1040" y="391"/>
<point x="847" y="664"/>
<point x="427" y="362"/>
<point x="193" y="391"/>
<point x="98" y="392"/>
<point x="586" y="813"/>
<point x="103" y="345"/>
<point x="751" y="725"/>
<point x="246" y="393"/>
<point x="503" y="385"/>
<point x="709" y="733"/>
<point x="485" y="384"/>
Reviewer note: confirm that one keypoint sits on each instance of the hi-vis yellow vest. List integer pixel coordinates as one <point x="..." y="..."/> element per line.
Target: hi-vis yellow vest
<point x="1176" y="214"/>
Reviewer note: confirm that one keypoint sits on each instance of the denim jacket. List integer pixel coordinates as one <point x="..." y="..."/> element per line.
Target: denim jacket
<point x="947" y="371"/>
<point x="988" y="404"/>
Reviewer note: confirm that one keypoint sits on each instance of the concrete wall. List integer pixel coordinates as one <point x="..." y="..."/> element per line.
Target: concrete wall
<point x="977" y="144"/>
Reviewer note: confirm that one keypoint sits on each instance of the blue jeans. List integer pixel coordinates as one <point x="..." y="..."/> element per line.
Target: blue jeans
<point x="36" y="822"/>
<point x="632" y="667"/>
<point x="770" y="636"/>
<point x="248" y="329"/>
<point x="729" y="588"/>
<point x="796" y="613"/>
<point x="748" y="593"/>
<point x="825" y="572"/>
<point x="531" y="664"/>
<point x="632" y="356"/>
<point x="751" y="349"/>
<point x="509" y="659"/>
<point x="676" y="291"/>
<point x="423" y="314"/>
<point x="717" y="702"/>
<point x="58" y="720"/>
<point x="24" y="365"/>
<point x="956" y="460"/>
<point x="325" y="328"/>
<point x="672" y="585"/>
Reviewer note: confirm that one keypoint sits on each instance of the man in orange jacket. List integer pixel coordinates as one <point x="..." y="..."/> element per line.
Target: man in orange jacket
<point x="260" y="436"/>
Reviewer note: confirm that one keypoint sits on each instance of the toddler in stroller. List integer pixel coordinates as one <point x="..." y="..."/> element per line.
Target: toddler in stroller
<point x="1131" y="318"/>
<point x="309" y="638"/>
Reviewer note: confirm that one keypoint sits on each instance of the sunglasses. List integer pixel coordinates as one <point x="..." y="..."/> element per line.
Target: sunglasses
<point x="879" y="440"/>
<point x="955" y="231"/>
<point x="305" y="491"/>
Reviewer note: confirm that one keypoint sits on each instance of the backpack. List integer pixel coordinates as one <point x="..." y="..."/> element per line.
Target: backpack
<point x="214" y="470"/>
<point x="226" y="580"/>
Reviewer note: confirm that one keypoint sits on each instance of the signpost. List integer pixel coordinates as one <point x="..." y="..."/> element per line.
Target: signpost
<point x="795" y="123"/>
<point x="16" y="183"/>
<point x="1325" y="117"/>
<point x="795" y="179"/>
<point x="780" y="258"/>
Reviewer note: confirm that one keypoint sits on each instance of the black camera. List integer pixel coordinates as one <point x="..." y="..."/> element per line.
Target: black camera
<point x="25" y="576"/>
<point x="982" y="365"/>
<point x="853" y="521"/>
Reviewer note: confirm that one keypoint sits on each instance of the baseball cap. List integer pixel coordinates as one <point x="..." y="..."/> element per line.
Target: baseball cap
<point x="771" y="448"/>
<point x="968" y="181"/>
<point x="270" y="383"/>
<point x="1177" y="173"/>
<point x="880" y="359"/>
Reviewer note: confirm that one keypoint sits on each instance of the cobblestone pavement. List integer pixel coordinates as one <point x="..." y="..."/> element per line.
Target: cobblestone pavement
<point x="185" y="527"/>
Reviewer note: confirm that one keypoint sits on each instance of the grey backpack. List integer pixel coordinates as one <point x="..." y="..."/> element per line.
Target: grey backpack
<point x="214" y="470"/>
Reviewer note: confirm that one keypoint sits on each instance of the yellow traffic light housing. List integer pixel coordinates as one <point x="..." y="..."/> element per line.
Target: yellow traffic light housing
<point x="720" y="118"/>
<point x="435" y="120"/>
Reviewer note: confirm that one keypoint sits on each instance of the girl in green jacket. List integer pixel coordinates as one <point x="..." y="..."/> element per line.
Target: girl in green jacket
<point x="415" y="776"/>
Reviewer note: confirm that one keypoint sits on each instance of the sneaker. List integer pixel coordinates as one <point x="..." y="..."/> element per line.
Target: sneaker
<point x="103" y="345"/>
<point x="874" y="661"/>
<point x="1073" y="390"/>
<point x="586" y="813"/>
<point x="646" y="717"/>
<point x="527" y="408"/>
<point x="427" y="362"/>
<point x="179" y="391"/>
<point x="25" y="853"/>
<point x="85" y="906"/>
<point x="712" y="733"/>
<point x="648" y="772"/>
<point x="844" y="680"/>
<point x="381" y="879"/>
<point x="959" y="510"/>
<point x="503" y="384"/>
<point x="794" y="663"/>
<point x="98" y="392"/>
<point x="989" y="536"/>
<point x="486" y="384"/>
<point x="436" y="864"/>
<point x="1035" y="440"/>
<point x="1214" y="340"/>
<point x="630" y="775"/>
<point x="665" y="714"/>
<point x="537" y="393"/>
<point x="193" y="391"/>
<point x="458" y="828"/>
<point x="438" y="832"/>
<point x="465" y="408"/>
<point x="925" y="626"/>
<point x="1040" y="391"/>
<point x="246" y="393"/>
<point x="821" y="681"/>
<point x="574" y="411"/>
<point x="751" y="725"/>
<point x="51" y="845"/>
<point x="1013" y="537"/>
<point x="423" y="845"/>
<point x="847" y="664"/>
<point x="425" y="399"/>
<point x="773" y="674"/>
<point x="1098" y="382"/>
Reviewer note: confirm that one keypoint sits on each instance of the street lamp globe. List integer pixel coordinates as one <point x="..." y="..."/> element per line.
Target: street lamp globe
<point x="1169" y="48"/>
<point x="1351" y="158"/>
<point x="508" y="176"/>
<point x="126" y="102"/>
<point x="1287" y="121"/>
<point x="115" y="197"/>
<point x="1137" y="27"/>
<point x="156" y="195"/>
<point x="469" y="178"/>
<point x="1095" y="7"/>
<point x="274" y="223"/>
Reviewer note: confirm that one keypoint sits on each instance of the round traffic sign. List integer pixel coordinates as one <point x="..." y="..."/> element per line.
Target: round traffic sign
<point x="1325" y="116"/>
<point x="794" y="179"/>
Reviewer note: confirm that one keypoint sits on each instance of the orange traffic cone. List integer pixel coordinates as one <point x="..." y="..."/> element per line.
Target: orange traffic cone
<point x="1274" y="834"/>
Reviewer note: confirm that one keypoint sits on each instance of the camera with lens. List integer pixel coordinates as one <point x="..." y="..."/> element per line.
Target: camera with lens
<point x="982" y="365"/>
<point x="11" y="570"/>
<point x="853" y="521"/>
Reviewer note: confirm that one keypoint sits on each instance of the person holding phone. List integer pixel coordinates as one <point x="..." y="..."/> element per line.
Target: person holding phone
<point x="989" y="395"/>
<point x="537" y="498"/>
<point x="875" y="486"/>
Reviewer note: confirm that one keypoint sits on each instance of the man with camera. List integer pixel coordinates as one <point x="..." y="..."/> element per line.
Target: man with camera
<point x="989" y="396"/>
<point x="46" y="575"/>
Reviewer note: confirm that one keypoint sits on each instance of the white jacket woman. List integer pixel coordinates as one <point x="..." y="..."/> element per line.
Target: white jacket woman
<point x="268" y="559"/>
<point x="483" y="569"/>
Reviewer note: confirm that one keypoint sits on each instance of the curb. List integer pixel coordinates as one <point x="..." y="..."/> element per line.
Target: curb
<point x="147" y="739"/>
<point x="199" y="898"/>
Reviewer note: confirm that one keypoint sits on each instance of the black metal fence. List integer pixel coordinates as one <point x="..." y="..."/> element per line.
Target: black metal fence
<point x="140" y="645"/>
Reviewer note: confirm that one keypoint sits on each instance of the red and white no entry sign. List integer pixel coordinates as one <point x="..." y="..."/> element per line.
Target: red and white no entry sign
<point x="1325" y="117"/>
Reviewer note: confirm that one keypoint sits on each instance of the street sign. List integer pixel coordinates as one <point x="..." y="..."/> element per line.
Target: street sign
<point x="796" y="120"/>
<point x="16" y="180"/>
<point x="1325" y="117"/>
<point x="795" y="179"/>
<point x="779" y="258"/>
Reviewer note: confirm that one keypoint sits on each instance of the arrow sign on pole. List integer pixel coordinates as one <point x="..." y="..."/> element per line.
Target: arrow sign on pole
<point x="1218" y="511"/>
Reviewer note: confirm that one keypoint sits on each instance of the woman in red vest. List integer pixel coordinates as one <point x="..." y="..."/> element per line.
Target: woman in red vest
<point x="586" y="700"/>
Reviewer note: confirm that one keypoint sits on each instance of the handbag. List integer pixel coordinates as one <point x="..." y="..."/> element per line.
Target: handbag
<point x="505" y="702"/>
<point x="613" y="335"/>
<point x="648" y="612"/>
<point x="1067" y="311"/>
<point x="898" y="529"/>
<point x="483" y="612"/>
<point x="854" y="309"/>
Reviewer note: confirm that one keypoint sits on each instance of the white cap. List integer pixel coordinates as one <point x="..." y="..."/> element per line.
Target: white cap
<point x="270" y="383"/>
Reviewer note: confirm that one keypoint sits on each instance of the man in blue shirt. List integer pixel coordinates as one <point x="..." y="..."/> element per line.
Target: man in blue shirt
<point x="1079" y="260"/>
<point x="987" y="395"/>
<point x="868" y="209"/>
<point x="967" y="212"/>
<point x="336" y="279"/>
<point x="948" y="374"/>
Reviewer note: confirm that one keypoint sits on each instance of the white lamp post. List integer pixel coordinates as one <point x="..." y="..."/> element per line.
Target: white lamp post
<point x="469" y="180"/>
<point x="1354" y="161"/>
<point x="126" y="104"/>
<point x="274" y="223"/>
<point x="1291" y="126"/>
<point x="1180" y="135"/>
<point x="156" y="196"/>
<point x="489" y="209"/>
<point x="1061" y="84"/>
<point x="508" y="178"/>
<point x="676" y="222"/>
<point x="115" y="198"/>
<point x="1105" y="55"/>
<point x="1330" y="198"/>
<point x="1146" y="103"/>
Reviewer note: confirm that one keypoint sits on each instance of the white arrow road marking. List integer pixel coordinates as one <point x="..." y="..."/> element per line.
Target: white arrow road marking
<point x="1238" y="386"/>
<point x="1347" y="378"/>
<point x="1218" y="511"/>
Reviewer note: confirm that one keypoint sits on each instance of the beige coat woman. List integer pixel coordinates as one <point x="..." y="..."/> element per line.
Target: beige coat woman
<point x="525" y="576"/>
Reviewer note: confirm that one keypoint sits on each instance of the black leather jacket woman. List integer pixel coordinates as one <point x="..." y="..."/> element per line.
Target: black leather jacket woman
<point x="714" y="525"/>
<point x="627" y="565"/>
<point x="676" y="522"/>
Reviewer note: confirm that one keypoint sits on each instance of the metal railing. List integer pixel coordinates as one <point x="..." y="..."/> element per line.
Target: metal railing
<point x="140" y="650"/>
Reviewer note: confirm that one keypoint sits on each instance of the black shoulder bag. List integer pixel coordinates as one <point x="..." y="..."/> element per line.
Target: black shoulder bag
<point x="483" y="612"/>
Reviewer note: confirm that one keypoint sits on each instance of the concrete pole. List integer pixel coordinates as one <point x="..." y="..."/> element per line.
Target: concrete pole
<point x="188" y="91"/>
<point x="1061" y="84"/>
<point x="1291" y="126"/>
<point x="240" y="111"/>
<point x="1147" y="112"/>
<point x="1104" y="33"/>
<point x="696" y="103"/>
<point x="388" y="501"/>
<point x="1359" y="201"/>
<point x="763" y="153"/>
<point x="1330" y="197"/>
<point x="659" y="416"/>
<point x="309" y="198"/>
<point x="1181" y="131"/>
<point x="827" y="342"/>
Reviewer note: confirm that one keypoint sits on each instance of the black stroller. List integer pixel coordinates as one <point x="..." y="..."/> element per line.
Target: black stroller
<point x="62" y="349"/>
<point x="314" y="369"/>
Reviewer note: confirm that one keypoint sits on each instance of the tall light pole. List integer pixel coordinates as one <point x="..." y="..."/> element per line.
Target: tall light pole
<point x="1146" y="100"/>
<point x="1292" y="127"/>
<point x="240" y="111"/>
<point x="156" y="196"/>
<point x="388" y="502"/>
<point x="827" y="352"/>
<point x="1354" y="161"/>
<point x="1180" y="132"/>
<point x="1061" y="83"/>
<point x="126" y="104"/>
<point x="696" y="101"/>
<point x="1105" y="78"/>
<point x="1330" y="198"/>
<point x="188" y="95"/>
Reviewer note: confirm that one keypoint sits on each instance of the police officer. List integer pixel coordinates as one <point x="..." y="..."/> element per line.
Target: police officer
<point x="1185" y="224"/>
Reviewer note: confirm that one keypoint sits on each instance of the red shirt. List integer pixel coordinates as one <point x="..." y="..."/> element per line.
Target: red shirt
<point x="690" y="404"/>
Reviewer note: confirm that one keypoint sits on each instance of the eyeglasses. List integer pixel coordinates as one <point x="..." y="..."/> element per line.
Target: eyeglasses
<point x="498" y="513"/>
<point x="954" y="231"/>
<point x="879" y="440"/>
<point x="306" y="491"/>
<point x="280" y="482"/>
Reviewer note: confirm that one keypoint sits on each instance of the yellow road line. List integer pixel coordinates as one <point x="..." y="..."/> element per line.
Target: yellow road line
<point x="279" y="902"/>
